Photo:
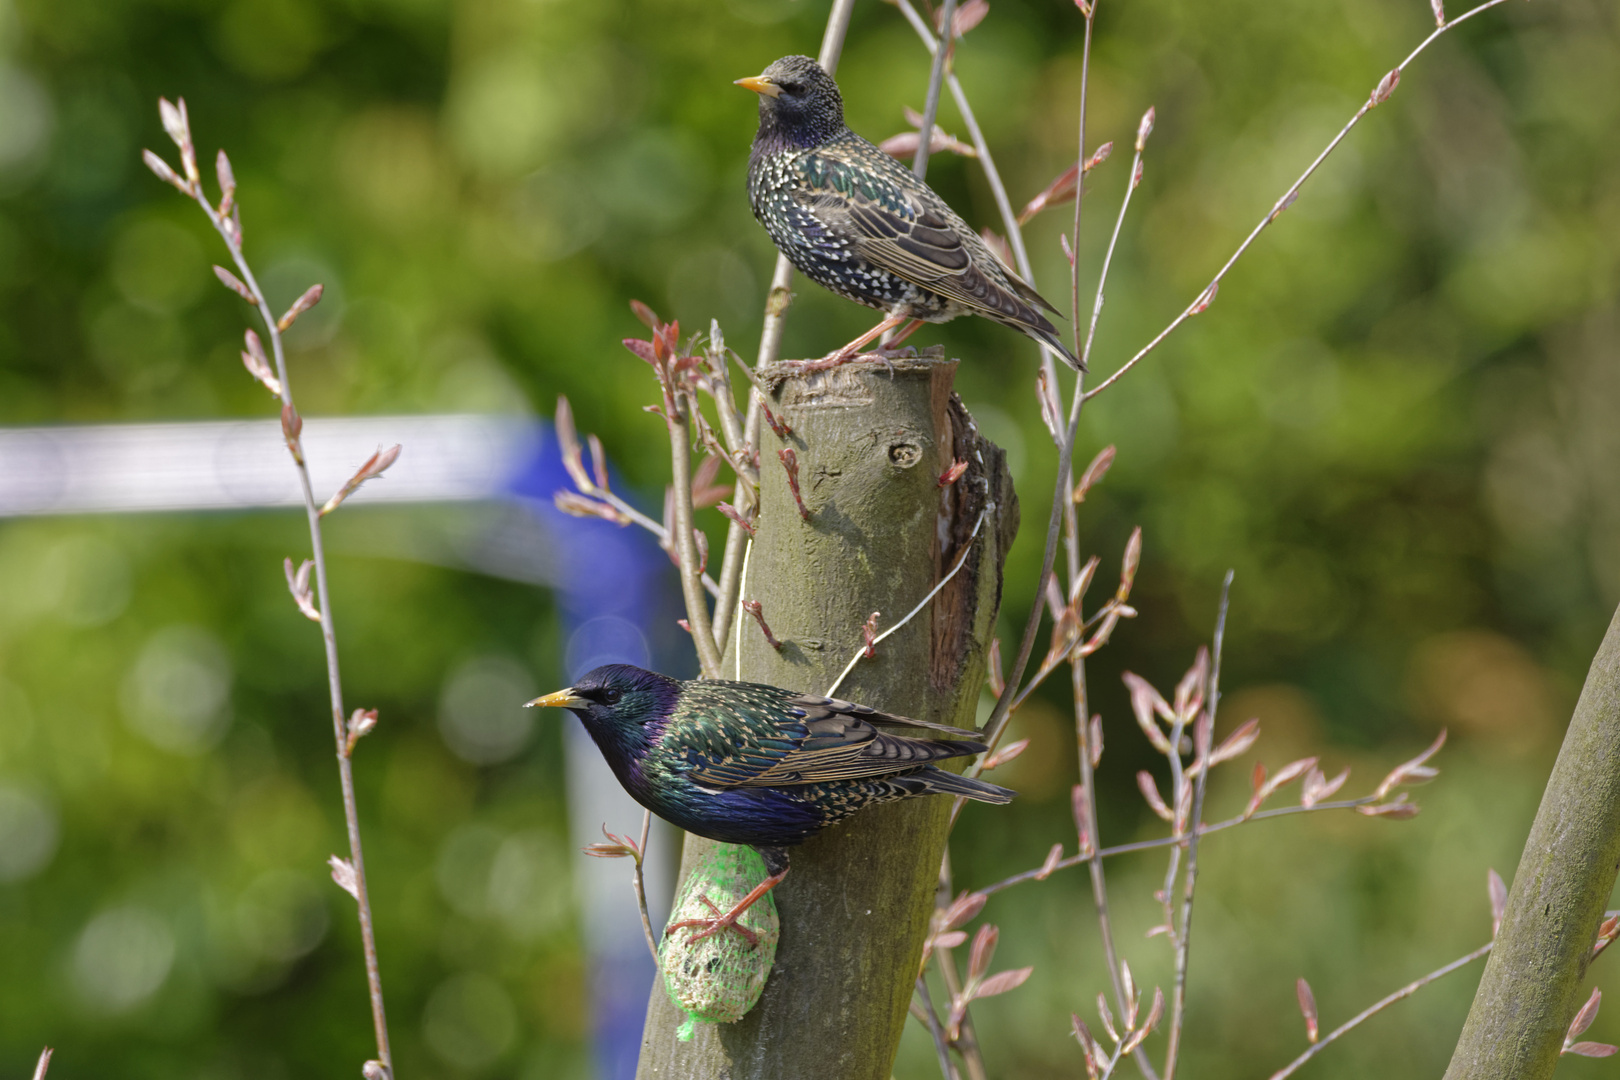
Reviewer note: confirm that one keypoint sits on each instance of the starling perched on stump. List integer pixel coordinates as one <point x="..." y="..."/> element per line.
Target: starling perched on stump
<point x="856" y="221"/>
<point x="744" y="763"/>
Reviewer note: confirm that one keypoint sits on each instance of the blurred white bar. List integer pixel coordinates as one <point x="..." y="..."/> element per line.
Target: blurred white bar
<point x="213" y="465"/>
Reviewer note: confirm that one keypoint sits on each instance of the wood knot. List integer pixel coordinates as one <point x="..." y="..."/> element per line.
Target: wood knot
<point x="905" y="454"/>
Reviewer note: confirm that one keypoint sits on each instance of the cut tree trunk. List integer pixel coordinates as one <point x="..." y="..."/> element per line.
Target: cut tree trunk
<point x="1532" y="984"/>
<point x="881" y="533"/>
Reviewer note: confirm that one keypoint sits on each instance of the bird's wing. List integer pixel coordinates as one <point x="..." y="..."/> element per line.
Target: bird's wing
<point x="808" y="740"/>
<point x="895" y="222"/>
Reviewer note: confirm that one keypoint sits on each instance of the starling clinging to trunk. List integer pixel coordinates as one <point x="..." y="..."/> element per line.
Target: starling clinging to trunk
<point x="853" y="219"/>
<point x="745" y="763"/>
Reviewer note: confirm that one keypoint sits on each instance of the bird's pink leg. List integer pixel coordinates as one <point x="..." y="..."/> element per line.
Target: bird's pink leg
<point x="720" y="922"/>
<point x="850" y="351"/>
<point x="916" y="324"/>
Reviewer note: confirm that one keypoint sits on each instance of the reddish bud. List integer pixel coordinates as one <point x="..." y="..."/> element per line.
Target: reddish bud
<point x="311" y="297"/>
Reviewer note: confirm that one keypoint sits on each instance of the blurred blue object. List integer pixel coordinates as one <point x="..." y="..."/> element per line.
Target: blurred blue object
<point x="614" y="588"/>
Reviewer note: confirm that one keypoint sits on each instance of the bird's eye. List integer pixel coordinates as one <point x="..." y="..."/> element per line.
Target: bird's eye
<point x="610" y="697"/>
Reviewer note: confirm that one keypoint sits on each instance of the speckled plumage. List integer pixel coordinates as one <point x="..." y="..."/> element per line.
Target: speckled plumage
<point x="745" y="763"/>
<point x="856" y="221"/>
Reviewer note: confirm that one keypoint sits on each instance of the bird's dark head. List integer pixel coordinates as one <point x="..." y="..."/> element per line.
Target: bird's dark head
<point x="622" y="706"/>
<point x="799" y="104"/>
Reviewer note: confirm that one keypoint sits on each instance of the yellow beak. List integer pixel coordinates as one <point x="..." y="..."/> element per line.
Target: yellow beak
<point x="562" y="699"/>
<point x="759" y="84"/>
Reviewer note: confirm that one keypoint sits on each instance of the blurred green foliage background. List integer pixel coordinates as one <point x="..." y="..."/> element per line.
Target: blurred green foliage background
<point x="1399" y="422"/>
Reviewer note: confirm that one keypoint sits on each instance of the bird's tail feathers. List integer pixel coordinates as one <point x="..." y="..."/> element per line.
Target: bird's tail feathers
<point x="1048" y="336"/>
<point x="940" y="782"/>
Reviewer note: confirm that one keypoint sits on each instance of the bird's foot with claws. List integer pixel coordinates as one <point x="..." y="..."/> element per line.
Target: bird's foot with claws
<point x="703" y="928"/>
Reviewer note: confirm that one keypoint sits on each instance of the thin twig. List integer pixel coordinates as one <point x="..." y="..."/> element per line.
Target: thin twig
<point x="936" y="75"/>
<point x="1404" y="992"/>
<point x="230" y="233"/>
<point x="640" y="883"/>
<point x="1108" y="258"/>
<point x="1041" y="872"/>
<point x="1099" y="882"/>
<point x="930" y="1018"/>
<point x="697" y="605"/>
<point x="997" y="721"/>
<point x="967" y="549"/>
<point x="1277" y="208"/>
<point x="1178" y="997"/>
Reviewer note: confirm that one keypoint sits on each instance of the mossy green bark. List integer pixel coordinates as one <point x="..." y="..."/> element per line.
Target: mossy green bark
<point x="1531" y="988"/>
<point x="881" y="534"/>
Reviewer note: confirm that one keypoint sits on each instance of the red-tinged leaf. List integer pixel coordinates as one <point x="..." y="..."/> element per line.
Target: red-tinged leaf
<point x="1068" y="252"/>
<point x="950" y="939"/>
<point x="309" y="299"/>
<point x="1006" y="754"/>
<point x="965" y="18"/>
<point x="362" y="722"/>
<point x="646" y="315"/>
<point x="1593" y="1049"/>
<point x="905" y="144"/>
<point x="227" y="179"/>
<point x="1088" y="1045"/>
<point x="163" y="172"/>
<point x="261" y="372"/>
<point x="1607" y="932"/>
<point x="1590" y="1049"/>
<point x="1150" y="792"/>
<point x="1399" y="775"/>
<point x="1003" y="981"/>
<point x="577" y="505"/>
<point x="1399" y="810"/>
<point x="573" y="455"/>
<point x="1131" y="999"/>
<point x="1100" y="156"/>
<point x="174" y="121"/>
<point x="984" y="947"/>
<point x="608" y="851"/>
<point x="1055" y="604"/>
<point x="1146" y="703"/>
<point x="1496" y="889"/>
<point x="1439" y="12"/>
<point x="1132" y="559"/>
<point x="1237" y="743"/>
<point x="643" y="349"/>
<point x="1107" y="1016"/>
<point x="1205" y="298"/>
<point x="233" y="283"/>
<point x="1189" y="696"/>
<point x="598" y="461"/>
<point x="1096" y="744"/>
<point x="1094" y="472"/>
<point x="1053" y="857"/>
<point x="1587" y="1014"/>
<point x="1145" y="128"/>
<point x="993" y="670"/>
<point x="1290" y="772"/>
<point x="1057" y="192"/>
<point x="736" y="515"/>
<point x="1155" y="931"/>
<point x="343" y="873"/>
<point x="1078" y="805"/>
<point x="1307" y="1007"/>
<point x="1050" y="410"/>
<point x="952" y="474"/>
<point x="964" y="908"/>
<point x="1386" y="86"/>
